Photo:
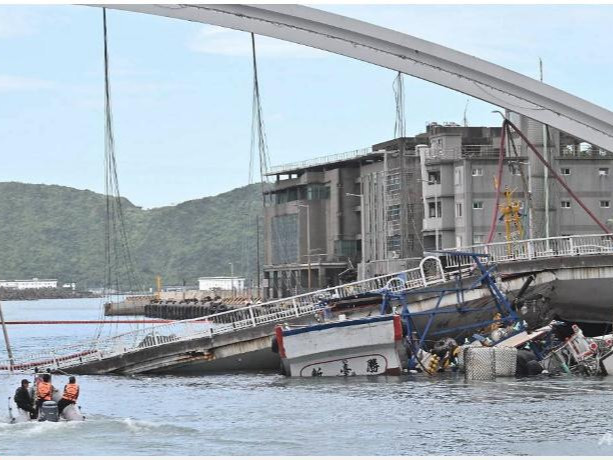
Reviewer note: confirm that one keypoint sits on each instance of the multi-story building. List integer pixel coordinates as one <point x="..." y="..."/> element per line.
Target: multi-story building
<point x="460" y="166"/>
<point x="313" y="222"/>
<point x="585" y="168"/>
<point x="393" y="213"/>
<point x="375" y="211"/>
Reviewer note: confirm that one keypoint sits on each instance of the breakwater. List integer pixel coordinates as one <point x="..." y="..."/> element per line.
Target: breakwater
<point x="192" y="308"/>
<point x="44" y="293"/>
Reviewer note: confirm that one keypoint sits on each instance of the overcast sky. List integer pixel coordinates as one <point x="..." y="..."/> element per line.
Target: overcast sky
<point x="182" y="91"/>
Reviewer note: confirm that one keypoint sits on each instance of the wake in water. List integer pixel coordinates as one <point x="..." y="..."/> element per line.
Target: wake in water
<point x="96" y="423"/>
<point x="144" y="426"/>
<point x="99" y="435"/>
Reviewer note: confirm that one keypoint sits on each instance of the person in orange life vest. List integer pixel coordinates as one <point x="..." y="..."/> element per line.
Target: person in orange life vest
<point x="70" y="396"/>
<point x="44" y="391"/>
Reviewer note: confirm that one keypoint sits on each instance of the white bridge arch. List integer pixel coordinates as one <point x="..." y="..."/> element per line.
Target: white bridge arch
<point x="407" y="54"/>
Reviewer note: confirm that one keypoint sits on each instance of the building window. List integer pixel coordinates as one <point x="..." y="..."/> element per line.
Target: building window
<point x="393" y="243"/>
<point x="434" y="209"/>
<point x="393" y="212"/>
<point x="434" y="177"/>
<point x="317" y="192"/>
<point x="458" y="176"/>
<point x="284" y="238"/>
<point x="458" y="209"/>
<point x="565" y="171"/>
<point x="603" y="172"/>
<point x="393" y="183"/>
<point x="477" y="204"/>
<point x="605" y="203"/>
<point x="477" y="172"/>
<point x="565" y="204"/>
<point x="347" y="248"/>
<point x="478" y="239"/>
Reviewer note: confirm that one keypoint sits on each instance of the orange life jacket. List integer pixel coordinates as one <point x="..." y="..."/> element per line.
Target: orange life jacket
<point x="43" y="391"/>
<point x="71" y="392"/>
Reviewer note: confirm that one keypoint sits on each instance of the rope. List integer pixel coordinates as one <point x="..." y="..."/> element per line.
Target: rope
<point x="258" y="137"/>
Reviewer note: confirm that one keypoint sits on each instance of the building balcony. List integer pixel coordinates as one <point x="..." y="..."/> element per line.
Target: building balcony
<point x="436" y="155"/>
<point x="583" y="152"/>
<point x="432" y="223"/>
<point x="432" y="190"/>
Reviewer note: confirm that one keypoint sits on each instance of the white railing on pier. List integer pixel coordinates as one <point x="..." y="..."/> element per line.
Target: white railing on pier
<point x="272" y="312"/>
<point x="539" y="248"/>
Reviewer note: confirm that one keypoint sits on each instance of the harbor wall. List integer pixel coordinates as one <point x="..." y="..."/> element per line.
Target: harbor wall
<point x="168" y="305"/>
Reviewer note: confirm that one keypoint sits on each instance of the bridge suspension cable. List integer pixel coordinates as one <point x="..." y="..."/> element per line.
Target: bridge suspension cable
<point x="119" y="265"/>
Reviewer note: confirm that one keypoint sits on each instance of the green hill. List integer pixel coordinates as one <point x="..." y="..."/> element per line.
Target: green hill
<point x="49" y="231"/>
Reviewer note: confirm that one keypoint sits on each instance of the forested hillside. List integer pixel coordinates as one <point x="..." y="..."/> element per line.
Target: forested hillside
<point x="49" y="231"/>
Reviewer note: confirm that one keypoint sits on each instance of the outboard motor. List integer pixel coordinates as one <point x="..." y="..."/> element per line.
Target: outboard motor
<point x="49" y="412"/>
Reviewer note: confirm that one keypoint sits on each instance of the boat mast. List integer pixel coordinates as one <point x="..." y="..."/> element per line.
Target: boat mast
<point x="257" y="253"/>
<point x="6" y="340"/>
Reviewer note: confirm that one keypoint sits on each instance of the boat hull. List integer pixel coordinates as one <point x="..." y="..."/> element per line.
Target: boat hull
<point x="366" y="346"/>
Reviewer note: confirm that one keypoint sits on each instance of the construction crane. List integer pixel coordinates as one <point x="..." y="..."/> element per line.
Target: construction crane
<point x="511" y="216"/>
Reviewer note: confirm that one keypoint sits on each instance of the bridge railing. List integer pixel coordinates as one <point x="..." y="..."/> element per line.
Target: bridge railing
<point x="304" y="304"/>
<point x="226" y="322"/>
<point x="542" y="248"/>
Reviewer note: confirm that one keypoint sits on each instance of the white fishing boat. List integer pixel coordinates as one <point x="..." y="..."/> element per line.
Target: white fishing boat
<point x="364" y="346"/>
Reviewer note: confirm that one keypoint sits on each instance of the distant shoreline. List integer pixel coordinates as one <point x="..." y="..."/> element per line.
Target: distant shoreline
<point x="46" y="293"/>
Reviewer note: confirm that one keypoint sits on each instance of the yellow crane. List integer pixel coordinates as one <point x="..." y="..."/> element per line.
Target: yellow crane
<point x="158" y="285"/>
<point x="511" y="217"/>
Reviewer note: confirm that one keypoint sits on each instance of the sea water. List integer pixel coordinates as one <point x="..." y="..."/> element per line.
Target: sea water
<point x="268" y="414"/>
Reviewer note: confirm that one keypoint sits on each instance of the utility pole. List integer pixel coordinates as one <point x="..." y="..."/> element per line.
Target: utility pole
<point x="9" y="350"/>
<point x="362" y="230"/>
<point x="309" y="247"/>
<point x="546" y="155"/>
<point x="308" y="223"/>
<point x="436" y="213"/>
<point x="232" y="284"/>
